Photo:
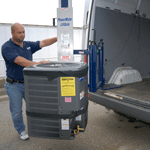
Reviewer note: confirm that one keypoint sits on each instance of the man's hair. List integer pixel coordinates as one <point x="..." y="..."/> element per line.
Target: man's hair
<point x="14" y="26"/>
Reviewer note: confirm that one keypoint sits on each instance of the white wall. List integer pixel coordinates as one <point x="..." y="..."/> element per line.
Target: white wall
<point x="34" y="33"/>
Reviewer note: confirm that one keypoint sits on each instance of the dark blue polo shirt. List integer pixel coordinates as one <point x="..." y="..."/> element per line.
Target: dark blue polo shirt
<point x="10" y="51"/>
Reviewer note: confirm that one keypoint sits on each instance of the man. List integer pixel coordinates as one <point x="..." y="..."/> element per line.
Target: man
<point x="17" y="55"/>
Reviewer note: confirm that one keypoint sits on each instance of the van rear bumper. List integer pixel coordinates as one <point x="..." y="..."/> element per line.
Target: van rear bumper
<point x="129" y="106"/>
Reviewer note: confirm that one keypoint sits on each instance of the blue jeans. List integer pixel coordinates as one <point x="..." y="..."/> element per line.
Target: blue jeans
<point x="15" y="93"/>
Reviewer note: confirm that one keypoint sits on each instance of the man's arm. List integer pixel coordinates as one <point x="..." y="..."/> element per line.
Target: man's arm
<point x="47" y="42"/>
<point x="26" y="63"/>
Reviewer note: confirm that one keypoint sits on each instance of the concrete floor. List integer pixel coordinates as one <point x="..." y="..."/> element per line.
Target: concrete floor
<point x="105" y="131"/>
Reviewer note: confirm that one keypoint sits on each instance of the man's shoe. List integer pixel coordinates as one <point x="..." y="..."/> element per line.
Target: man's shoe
<point x="23" y="135"/>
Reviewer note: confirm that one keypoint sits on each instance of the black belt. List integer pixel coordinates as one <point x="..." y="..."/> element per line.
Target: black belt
<point x="11" y="81"/>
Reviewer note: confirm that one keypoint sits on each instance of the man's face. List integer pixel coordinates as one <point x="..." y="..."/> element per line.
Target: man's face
<point x="18" y="34"/>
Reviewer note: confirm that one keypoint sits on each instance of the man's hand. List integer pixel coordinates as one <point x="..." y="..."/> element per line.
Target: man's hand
<point x="43" y="62"/>
<point x="26" y="63"/>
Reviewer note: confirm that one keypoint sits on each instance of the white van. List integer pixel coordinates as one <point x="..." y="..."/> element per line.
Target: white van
<point x="124" y="26"/>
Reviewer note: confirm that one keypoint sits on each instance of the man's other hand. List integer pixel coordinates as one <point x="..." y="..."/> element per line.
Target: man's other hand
<point x="43" y="62"/>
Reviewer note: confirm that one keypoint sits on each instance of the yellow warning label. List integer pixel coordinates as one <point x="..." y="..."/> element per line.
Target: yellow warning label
<point x="67" y="86"/>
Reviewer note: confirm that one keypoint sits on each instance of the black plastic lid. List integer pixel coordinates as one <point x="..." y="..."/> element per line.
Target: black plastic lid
<point x="75" y="69"/>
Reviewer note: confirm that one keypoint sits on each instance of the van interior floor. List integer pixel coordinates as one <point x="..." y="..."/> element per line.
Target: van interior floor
<point x="138" y="90"/>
